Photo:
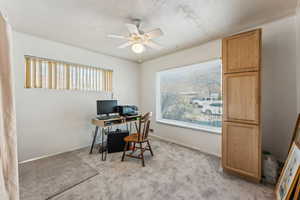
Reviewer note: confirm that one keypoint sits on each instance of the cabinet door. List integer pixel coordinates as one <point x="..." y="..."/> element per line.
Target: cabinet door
<point x="241" y="149"/>
<point x="241" y="53"/>
<point x="241" y="97"/>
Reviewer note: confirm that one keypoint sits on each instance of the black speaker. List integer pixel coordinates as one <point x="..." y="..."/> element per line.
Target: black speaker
<point x="115" y="140"/>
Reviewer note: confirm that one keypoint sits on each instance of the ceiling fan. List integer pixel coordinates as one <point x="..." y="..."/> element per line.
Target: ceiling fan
<point x="138" y="39"/>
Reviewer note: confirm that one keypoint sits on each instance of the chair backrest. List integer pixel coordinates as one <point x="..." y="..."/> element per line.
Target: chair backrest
<point x="144" y="125"/>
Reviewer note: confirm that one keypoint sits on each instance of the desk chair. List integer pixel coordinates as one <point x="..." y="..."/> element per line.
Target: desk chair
<point x="141" y="138"/>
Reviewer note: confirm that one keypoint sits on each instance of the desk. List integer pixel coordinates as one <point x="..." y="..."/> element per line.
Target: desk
<point x="105" y="125"/>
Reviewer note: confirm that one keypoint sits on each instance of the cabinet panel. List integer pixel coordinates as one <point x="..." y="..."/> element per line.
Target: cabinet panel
<point x="241" y="97"/>
<point x="241" y="149"/>
<point x="241" y="53"/>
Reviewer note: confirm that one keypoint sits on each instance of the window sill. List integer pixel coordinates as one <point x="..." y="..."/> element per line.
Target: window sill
<point x="189" y="126"/>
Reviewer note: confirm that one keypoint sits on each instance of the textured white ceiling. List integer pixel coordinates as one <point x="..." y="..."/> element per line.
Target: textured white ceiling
<point x="186" y="23"/>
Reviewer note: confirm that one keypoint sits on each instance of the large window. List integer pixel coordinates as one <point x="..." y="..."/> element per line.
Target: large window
<point x="52" y="74"/>
<point x="190" y="96"/>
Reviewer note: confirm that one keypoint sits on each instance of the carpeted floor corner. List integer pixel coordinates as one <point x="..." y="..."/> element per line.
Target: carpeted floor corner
<point x="48" y="177"/>
<point x="175" y="173"/>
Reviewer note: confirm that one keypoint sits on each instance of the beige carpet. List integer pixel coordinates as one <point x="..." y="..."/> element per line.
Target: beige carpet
<point x="44" y="178"/>
<point x="173" y="173"/>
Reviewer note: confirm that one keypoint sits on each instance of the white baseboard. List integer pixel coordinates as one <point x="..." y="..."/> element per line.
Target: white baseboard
<point x="184" y="145"/>
<point x="53" y="154"/>
<point x="155" y="136"/>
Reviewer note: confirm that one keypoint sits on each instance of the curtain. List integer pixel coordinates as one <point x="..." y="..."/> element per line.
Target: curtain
<point x="8" y="143"/>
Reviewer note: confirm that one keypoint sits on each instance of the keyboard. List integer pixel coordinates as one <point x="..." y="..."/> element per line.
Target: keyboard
<point x="107" y="117"/>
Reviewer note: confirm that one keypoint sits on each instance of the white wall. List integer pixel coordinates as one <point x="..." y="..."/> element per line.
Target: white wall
<point x="279" y="85"/>
<point x="278" y="89"/>
<point x="207" y="142"/>
<point x="53" y="121"/>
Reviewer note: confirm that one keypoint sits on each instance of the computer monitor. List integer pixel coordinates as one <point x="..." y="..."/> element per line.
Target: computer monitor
<point x="106" y="106"/>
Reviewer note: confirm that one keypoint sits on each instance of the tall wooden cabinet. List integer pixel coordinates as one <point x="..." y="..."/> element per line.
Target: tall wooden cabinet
<point x="241" y="135"/>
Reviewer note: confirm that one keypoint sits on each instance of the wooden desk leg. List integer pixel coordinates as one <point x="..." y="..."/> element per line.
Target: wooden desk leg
<point x="94" y="139"/>
<point x="136" y="127"/>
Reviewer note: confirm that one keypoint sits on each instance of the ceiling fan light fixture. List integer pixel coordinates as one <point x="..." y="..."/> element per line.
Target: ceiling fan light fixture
<point x="138" y="48"/>
<point x="137" y="39"/>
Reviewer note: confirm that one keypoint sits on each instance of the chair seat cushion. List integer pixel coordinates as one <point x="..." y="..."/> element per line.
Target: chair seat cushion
<point x="133" y="138"/>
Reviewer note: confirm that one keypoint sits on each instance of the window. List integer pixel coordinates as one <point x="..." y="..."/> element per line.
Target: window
<point x="52" y="74"/>
<point x="190" y="96"/>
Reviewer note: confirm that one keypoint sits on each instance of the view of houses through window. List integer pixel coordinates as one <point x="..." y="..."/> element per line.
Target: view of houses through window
<point x="191" y="96"/>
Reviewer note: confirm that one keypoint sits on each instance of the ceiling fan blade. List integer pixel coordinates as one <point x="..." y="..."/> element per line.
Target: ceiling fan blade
<point x="154" y="33"/>
<point x="117" y="36"/>
<point x="132" y="29"/>
<point x="153" y="45"/>
<point x="125" y="45"/>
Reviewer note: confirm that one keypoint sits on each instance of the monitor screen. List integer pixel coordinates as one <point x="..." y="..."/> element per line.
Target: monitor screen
<point x="106" y="106"/>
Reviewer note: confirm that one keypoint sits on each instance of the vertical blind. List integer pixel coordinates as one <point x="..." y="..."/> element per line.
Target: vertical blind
<point x="52" y="74"/>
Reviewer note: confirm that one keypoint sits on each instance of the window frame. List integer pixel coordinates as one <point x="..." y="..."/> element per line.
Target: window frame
<point x="181" y="124"/>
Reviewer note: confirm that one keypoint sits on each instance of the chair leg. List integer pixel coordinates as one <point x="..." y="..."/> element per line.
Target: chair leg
<point x="142" y="154"/>
<point x="150" y="148"/>
<point x="133" y="148"/>
<point x="124" y="152"/>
